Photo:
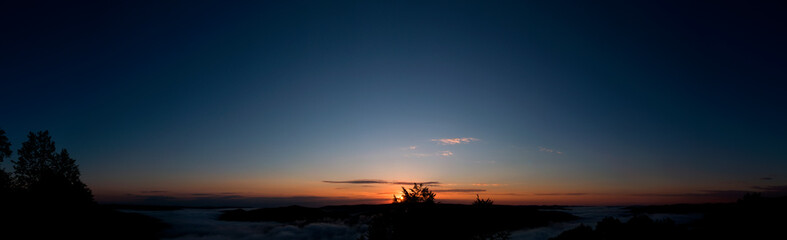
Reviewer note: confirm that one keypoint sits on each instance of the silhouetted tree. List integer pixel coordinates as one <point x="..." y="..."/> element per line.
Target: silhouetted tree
<point x="5" y="146"/>
<point x="43" y="173"/>
<point x="47" y="200"/>
<point x="417" y="194"/>
<point x="5" y="152"/>
<point x="35" y="156"/>
<point x="482" y="202"/>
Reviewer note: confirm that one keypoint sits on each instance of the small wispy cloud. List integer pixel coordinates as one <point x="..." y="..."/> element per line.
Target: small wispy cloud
<point x="445" y="153"/>
<point x="549" y="150"/>
<point x="375" y="181"/>
<point x="780" y="188"/>
<point x="452" y="141"/>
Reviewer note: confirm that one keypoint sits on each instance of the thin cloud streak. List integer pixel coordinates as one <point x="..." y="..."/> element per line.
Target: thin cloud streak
<point x="374" y="181"/>
<point x="774" y="189"/>
<point x="452" y="141"/>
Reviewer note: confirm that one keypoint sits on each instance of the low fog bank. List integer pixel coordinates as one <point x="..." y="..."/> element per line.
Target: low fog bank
<point x="590" y="216"/>
<point x="203" y="224"/>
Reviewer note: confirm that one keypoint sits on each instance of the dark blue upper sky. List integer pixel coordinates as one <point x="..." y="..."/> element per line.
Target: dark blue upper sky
<point x="637" y="98"/>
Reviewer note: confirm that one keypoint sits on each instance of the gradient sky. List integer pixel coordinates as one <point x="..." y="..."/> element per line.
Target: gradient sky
<point x="336" y="102"/>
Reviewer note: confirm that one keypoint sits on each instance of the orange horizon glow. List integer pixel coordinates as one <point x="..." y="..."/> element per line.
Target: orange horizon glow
<point x="383" y="194"/>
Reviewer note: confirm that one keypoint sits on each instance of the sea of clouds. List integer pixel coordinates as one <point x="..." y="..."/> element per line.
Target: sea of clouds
<point x="202" y="224"/>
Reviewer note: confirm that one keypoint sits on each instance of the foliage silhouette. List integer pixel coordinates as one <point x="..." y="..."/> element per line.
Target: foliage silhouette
<point x="44" y="198"/>
<point x="415" y="195"/>
<point x="47" y="175"/>
<point x="5" y="146"/>
<point x="5" y="152"/>
<point x="482" y="202"/>
<point x="422" y="217"/>
<point x="418" y="216"/>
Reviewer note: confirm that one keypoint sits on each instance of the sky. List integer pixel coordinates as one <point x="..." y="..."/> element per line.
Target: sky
<point x="341" y="102"/>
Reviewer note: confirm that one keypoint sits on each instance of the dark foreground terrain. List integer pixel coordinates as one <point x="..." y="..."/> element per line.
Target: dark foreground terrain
<point x="417" y="221"/>
<point x="85" y="221"/>
<point x="752" y="217"/>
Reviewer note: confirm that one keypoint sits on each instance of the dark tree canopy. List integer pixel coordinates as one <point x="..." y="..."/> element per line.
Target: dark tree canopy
<point x="43" y="198"/>
<point x="5" y="146"/>
<point x="482" y="202"/>
<point x="5" y="152"/>
<point x="41" y="170"/>
<point x="417" y="194"/>
<point x="36" y="156"/>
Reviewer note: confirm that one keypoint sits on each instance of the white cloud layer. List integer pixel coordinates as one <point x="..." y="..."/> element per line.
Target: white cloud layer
<point x="452" y="141"/>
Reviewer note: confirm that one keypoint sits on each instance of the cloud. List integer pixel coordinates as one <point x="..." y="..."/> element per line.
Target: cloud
<point x="446" y="153"/>
<point x="766" y="178"/>
<point x="543" y="149"/>
<point x="374" y="181"/>
<point x="452" y="141"/>
<point x="782" y="189"/>
<point x="459" y="190"/>
<point x="363" y="181"/>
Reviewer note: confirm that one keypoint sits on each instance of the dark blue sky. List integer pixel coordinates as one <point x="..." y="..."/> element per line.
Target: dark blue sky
<point x="270" y="99"/>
